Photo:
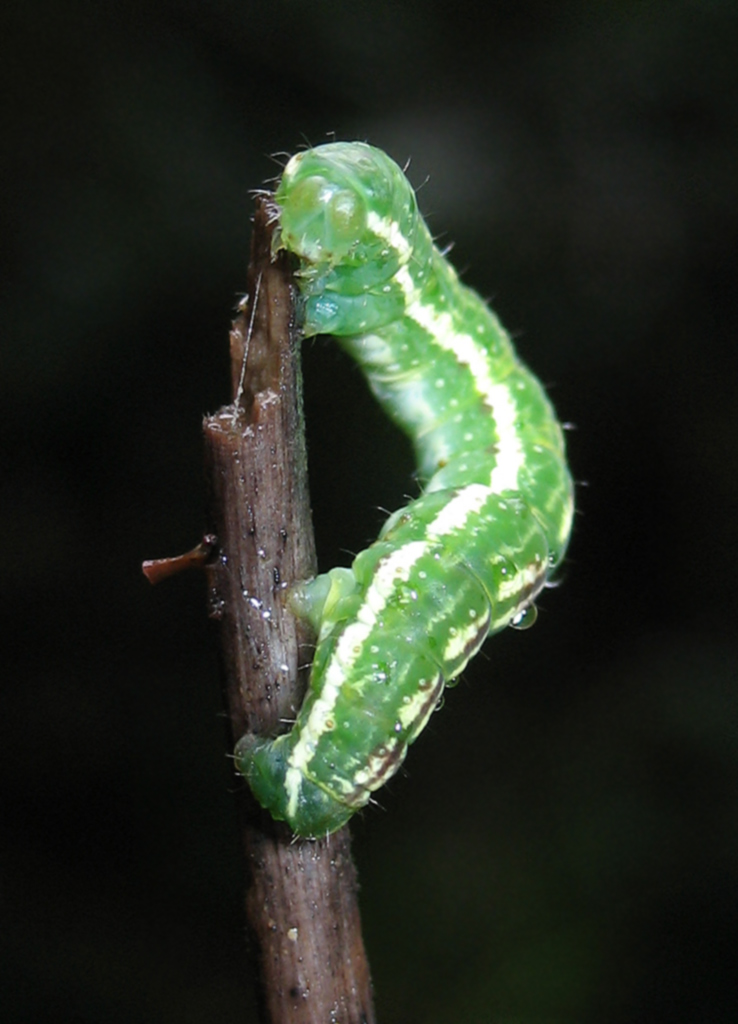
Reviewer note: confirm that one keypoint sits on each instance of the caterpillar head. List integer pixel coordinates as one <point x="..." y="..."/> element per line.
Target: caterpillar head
<point x="346" y="204"/>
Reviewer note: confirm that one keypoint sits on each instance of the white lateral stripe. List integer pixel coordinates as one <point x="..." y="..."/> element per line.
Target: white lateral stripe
<point x="389" y="231"/>
<point x="510" y="455"/>
<point x="376" y="767"/>
<point x="463" y="641"/>
<point x="421" y="701"/>
<point x="293" y="784"/>
<point x="453" y="516"/>
<point x="467" y="351"/>
<point x="396" y="566"/>
<point x="523" y="579"/>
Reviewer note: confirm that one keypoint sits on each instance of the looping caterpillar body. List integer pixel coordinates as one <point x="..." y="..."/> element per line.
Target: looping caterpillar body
<point x="463" y="560"/>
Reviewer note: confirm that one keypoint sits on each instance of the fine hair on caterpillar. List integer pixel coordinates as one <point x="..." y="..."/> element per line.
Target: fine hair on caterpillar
<point x="460" y="562"/>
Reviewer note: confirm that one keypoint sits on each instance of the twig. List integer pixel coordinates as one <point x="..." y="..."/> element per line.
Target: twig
<point x="301" y="896"/>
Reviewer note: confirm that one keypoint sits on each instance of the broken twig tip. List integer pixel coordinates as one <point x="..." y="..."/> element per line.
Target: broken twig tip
<point x="157" y="569"/>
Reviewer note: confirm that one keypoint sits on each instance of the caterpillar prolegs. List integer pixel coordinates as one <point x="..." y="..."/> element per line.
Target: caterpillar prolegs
<point x="463" y="560"/>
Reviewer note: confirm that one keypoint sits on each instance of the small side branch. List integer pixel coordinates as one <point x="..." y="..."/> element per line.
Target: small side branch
<point x="157" y="569"/>
<point x="301" y="896"/>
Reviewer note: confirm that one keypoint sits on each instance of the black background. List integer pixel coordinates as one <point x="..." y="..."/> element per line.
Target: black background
<point x="563" y="843"/>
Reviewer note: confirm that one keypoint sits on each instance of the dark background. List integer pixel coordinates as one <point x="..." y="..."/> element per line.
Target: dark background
<point x="563" y="844"/>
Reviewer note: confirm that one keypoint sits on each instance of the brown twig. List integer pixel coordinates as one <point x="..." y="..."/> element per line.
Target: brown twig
<point x="301" y="896"/>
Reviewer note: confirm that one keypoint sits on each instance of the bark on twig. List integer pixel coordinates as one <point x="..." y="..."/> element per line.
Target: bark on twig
<point x="301" y="896"/>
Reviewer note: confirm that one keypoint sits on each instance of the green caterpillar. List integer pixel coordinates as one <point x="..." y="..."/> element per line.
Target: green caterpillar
<point x="463" y="560"/>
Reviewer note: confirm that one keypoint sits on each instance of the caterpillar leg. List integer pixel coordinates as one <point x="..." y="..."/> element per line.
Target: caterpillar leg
<point x="329" y="597"/>
<point x="285" y="792"/>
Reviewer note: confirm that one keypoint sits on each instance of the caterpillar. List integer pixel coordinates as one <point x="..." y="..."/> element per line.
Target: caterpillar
<point x="459" y="563"/>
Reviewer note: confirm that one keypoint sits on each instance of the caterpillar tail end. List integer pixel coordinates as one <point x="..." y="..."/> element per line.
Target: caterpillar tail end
<point x="285" y="792"/>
